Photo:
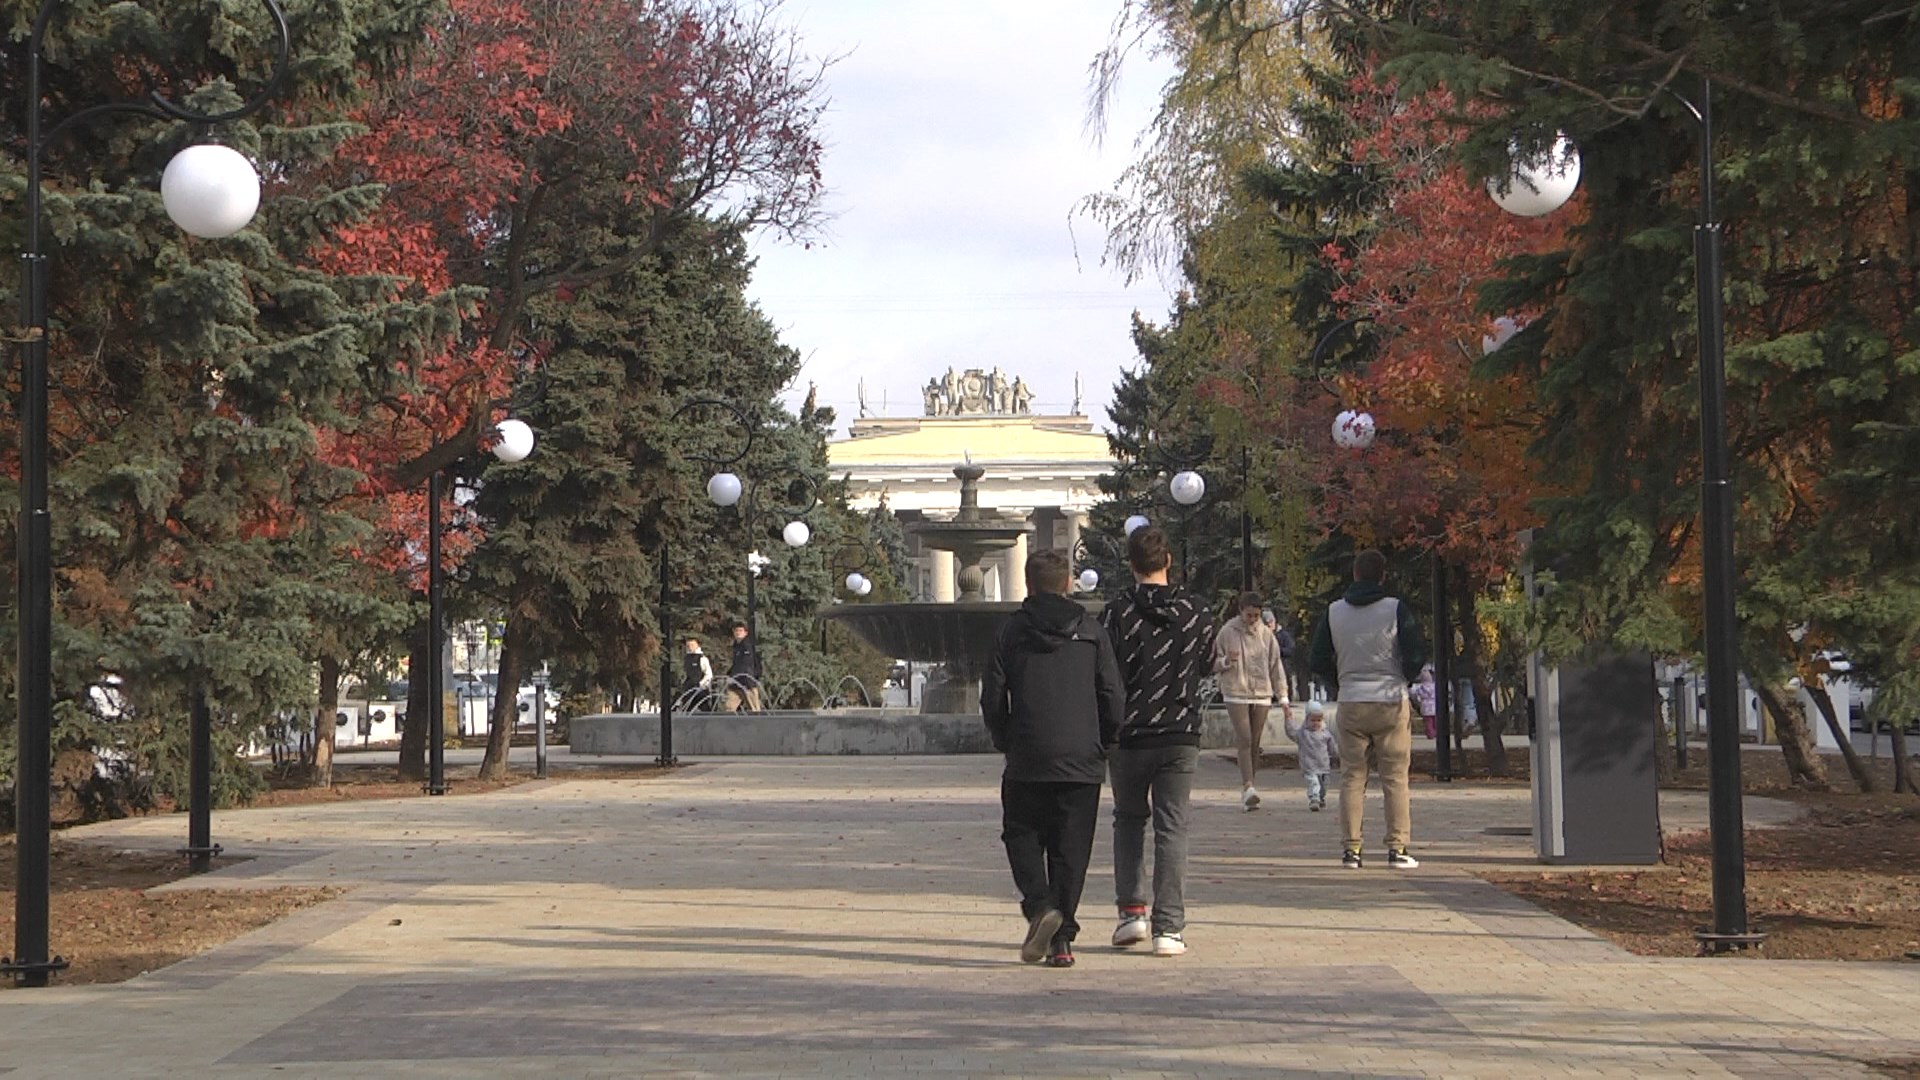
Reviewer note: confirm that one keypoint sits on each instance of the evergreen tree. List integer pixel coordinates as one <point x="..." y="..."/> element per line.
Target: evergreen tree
<point x="197" y="530"/>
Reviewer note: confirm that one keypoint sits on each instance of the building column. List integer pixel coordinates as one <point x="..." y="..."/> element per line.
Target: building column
<point x="943" y="577"/>
<point x="1076" y="520"/>
<point x="1014" y="577"/>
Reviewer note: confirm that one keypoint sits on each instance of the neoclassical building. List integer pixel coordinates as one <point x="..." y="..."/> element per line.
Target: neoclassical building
<point x="1042" y="468"/>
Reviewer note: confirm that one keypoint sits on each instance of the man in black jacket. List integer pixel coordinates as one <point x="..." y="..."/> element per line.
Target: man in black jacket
<point x="1163" y="640"/>
<point x="743" y="674"/>
<point x="1052" y="699"/>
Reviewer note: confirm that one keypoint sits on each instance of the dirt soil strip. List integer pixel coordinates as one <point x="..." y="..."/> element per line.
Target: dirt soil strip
<point x="110" y="928"/>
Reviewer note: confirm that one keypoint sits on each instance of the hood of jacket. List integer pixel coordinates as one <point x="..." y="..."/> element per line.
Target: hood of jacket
<point x="1053" y="620"/>
<point x="1362" y="593"/>
<point x="1161" y="604"/>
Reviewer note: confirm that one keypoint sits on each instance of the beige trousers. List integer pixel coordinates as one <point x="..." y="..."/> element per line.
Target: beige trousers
<point x="1376" y="731"/>
<point x="1249" y="723"/>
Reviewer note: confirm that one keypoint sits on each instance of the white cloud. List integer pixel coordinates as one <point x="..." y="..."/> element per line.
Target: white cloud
<point x="956" y="153"/>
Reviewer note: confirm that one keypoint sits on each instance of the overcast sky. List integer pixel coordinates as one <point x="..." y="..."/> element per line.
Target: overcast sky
<point x="956" y="151"/>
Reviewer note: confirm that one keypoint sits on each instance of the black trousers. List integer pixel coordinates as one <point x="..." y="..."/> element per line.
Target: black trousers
<point x="1048" y="829"/>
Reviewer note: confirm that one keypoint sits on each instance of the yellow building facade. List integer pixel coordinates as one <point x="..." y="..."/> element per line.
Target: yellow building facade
<point x="1044" y="469"/>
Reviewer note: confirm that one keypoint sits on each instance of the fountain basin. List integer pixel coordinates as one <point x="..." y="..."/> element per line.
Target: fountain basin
<point x="959" y="635"/>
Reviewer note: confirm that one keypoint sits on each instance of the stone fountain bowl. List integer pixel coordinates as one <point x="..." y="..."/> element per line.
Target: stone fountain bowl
<point x="959" y="635"/>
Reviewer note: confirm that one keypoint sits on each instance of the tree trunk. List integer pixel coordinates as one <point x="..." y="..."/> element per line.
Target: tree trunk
<point x="506" y="703"/>
<point x="1467" y="622"/>
<point x="1855" y="766"/>
<point x="1804" y="767"/>
<point x="1902" y="764"/>
<point x="323" y="722"/>
<point x="420" y="713"/>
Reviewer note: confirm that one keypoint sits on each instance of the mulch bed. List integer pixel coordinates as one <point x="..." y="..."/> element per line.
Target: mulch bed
<point x="109" y="928"/>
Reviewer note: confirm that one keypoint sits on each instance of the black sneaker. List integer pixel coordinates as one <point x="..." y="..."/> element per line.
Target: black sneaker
<point x="1040" y="931"/>
<point x="1398" y="859"/>
<point x="1061" y="956"/>
<point x="1351" y="860"/>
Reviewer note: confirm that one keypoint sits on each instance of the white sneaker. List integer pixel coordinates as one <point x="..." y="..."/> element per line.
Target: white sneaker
<point x="1398" y="859"/>
<point x="1132" y="931"/>
<point x="1249" y="799"/>
<point x="1169" y="945"/>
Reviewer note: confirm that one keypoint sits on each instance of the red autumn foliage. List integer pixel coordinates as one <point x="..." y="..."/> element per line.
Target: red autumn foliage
<point x="1449" y="471"/>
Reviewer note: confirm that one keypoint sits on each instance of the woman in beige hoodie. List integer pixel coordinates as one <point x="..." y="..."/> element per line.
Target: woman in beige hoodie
<point x="1246" y="657"/>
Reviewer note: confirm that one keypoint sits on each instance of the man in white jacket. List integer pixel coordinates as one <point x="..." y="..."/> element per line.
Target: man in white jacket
<point x="1369" y="646"/>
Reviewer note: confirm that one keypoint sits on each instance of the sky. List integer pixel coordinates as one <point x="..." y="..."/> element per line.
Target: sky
<point x="957" y="149"/>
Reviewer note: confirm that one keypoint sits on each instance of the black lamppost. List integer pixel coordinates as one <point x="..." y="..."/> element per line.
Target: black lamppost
<point x="1539" y="187"/>
<point x="795" y="533"/>
<point x="723" y="489"/>
<point x="850" y="558"/>
<point x="209" y="191"/>
<point x="514" y="444"/>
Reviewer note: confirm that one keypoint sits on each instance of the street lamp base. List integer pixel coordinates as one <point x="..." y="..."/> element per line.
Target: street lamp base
<point x="1711" y="942"/>
<point x="25" y="974"/>
<point x="436" y="789"/>
<point x="666" y="762"/>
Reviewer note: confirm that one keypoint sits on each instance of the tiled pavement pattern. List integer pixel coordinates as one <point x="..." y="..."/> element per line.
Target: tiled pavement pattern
<point x="853" y="917"/>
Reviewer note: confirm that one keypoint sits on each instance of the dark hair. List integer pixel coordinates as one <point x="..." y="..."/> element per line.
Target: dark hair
<point x="1371" y="566"/>
<point x="1047" y="572"/>
<point x="1147" y="550"/>
<point x="739" y="624"/>
<point x="1250" y="600"/>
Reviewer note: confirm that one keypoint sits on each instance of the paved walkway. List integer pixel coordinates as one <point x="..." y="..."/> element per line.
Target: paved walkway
<point x="853" y="917"/>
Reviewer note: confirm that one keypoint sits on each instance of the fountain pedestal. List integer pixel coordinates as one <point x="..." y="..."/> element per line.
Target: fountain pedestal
<point x="957" y="635"/>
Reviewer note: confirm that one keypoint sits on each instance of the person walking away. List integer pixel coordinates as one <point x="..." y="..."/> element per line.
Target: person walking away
<point x="1161" y="638"/>
<point x="1052" y="700"/>
<point x="1369" y="648"/>
<point x="743" y="673"/>
<point x="696" y="671"/>
<point x="1317" y="752"/>
<point x="1246" y="656"/>
<point x="1426" y="698"/>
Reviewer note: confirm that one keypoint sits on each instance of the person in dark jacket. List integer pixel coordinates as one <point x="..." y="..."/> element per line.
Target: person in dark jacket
<point x="1052" y="699"/>
<point x="1163" y="640"/>
<point x="743" y="672"/>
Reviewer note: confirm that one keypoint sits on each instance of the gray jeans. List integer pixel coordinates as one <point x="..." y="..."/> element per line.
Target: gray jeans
<point x="1156" y="782"/>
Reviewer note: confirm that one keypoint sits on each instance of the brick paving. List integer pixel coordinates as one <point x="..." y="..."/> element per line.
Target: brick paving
<point x="853" y="917"/>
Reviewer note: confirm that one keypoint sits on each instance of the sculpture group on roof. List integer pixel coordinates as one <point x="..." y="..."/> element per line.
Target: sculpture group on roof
<point x="975" y="392"/>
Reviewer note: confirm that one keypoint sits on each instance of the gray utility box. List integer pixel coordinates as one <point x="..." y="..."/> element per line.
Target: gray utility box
<point x="1595" y="786"/>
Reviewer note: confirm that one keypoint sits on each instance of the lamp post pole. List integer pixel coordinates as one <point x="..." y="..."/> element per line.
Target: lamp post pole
<point x="32" y="962"/>
<point x="1716" y="530"/>
<point x="515" y="443"/>
<point x="723" y="489"/>
<point x="1547" y="185"/>
<point x="436" y="634"/>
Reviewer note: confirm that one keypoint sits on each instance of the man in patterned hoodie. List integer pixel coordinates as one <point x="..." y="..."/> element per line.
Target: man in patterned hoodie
<point x="1163" y="640"/>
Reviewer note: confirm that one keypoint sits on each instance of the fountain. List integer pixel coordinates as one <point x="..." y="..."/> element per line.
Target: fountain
<point x="958" y="635"/>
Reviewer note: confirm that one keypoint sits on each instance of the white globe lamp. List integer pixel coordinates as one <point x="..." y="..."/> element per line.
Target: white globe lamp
<point x="1137" y="521"/>
<point x="723" y="489"/>
<point x="1089" y="579"/>
<point x="1504" y="328"/>
<point x="516" y="441"/>
<point x="210" y="191"/>
<point x="1353" y="430"/>
<point x="796" y="534"/>
<point x="1187" y="487"/>
<point x="854" y="581"/>
<point x="1539" y="185"/>
<point x="866" y="586"/>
